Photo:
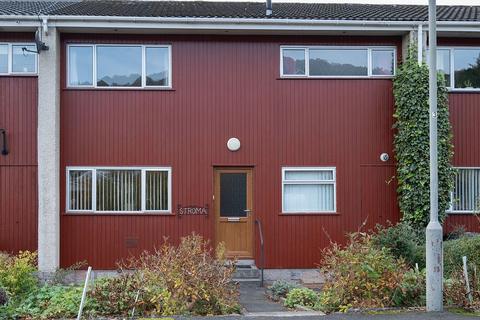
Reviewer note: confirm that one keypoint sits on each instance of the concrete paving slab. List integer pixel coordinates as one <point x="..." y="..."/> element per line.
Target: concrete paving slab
<point x="253" y="299"/>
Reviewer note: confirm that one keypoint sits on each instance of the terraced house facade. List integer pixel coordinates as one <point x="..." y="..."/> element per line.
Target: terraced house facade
<point x="244" y="123"/>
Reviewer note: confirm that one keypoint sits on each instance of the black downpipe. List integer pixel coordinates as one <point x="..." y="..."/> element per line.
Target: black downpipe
<point x="4" y="142"/>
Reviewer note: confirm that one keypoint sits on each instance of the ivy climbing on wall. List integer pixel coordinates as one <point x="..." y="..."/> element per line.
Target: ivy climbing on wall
<point x="411" y="142"/>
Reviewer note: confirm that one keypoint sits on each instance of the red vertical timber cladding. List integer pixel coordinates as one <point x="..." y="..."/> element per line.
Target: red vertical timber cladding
<point x="464" y="115"/>
<point x="227" y="87"/>
<point x="18" y="170"/>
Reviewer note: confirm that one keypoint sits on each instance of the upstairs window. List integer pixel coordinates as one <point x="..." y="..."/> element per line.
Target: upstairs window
<point x="465" y="197"/>
<point x="336" y="62"/>
<point x="461" y="67"/>
<point x="18" y="59"/>
<point x="119" y="66"/>
<point x="118" y="190"/>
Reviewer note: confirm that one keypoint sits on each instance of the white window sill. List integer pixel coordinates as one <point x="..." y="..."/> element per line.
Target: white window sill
<point x="465" y="90"/>
<point x="118" y="213"/>
<point x="303" y="77"/>
<point x="324" y="213"/>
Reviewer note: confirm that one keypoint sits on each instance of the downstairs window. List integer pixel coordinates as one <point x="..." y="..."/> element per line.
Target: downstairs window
<point x="308" y="190"/>
<point x="465" y="197"/>
<point x="113" y="190"/>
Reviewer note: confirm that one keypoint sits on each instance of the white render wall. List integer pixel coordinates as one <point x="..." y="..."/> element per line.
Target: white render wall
<point x="48" y="149"/>
<point x="412" y="38"/>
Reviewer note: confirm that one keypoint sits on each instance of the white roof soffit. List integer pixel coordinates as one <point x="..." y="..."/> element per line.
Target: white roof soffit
<point x="245" y="25"/>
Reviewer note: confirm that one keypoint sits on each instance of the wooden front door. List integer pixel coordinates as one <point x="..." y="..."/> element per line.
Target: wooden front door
<point x="233" y="211"/>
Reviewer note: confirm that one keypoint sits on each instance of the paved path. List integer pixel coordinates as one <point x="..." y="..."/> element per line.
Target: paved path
<point x="400" y="316"/>
<point x="257" y="306"/>
<point x="253" y="299"/>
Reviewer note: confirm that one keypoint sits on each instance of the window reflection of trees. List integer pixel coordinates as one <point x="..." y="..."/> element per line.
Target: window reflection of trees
<point x="321" y="67"/>
<point x="468" y="77"/>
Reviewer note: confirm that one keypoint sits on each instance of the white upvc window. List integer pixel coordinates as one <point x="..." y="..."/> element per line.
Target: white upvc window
<point x="337" y="61"/>
<point x="308" y="190"/>
<point x="119" y="66"/>
<point x="461" y="66"/>
<point x="119" y="190"/>
<point x="465" y="196"/>
<point x="18" y="59"/>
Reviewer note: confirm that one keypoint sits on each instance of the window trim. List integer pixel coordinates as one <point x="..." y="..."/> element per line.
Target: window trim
<point x="94" y="66"/>
<point x="450" y="208"/>
<point x="10" y="72"/>
<point x="313" y="182"/>
<point x="307" y="62"/>
<point x="143" y="189"/>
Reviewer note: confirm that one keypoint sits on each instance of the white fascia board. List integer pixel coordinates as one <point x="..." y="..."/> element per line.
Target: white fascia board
<point x="107" y="22"/>
<point x="186" y="23"/>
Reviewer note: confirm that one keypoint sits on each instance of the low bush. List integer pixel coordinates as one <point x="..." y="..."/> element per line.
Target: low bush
<point x="3" y="297"/>
<point x="301" y="297"/>
<point x="189" y="278"/>
<point x="280" y="288"/>
<point x="457" y="232"/>
<point x="53" y="301"/>
<point x="454" y="250"/>
<point x="455" y="291"/>
<point x="402" y="240"/>
<point x="361" y="275"/>
<point x="17" y="274"/>
<point x="116" y="295"/>
<point x="411" y="292"/>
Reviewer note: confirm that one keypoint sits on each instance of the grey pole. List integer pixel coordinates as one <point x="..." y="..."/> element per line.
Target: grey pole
<point x="434" y="245"/>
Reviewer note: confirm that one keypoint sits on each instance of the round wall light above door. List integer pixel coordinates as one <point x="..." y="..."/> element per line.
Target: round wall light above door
<point x="233" y="144"/>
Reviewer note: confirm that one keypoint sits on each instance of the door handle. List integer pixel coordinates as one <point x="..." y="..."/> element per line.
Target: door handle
<point x="4" y="142"/>
<point x="248" y="211"/>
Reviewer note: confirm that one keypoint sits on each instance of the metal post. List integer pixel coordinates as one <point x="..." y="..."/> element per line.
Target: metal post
<point x="434" y="241"/>
<point x="84" y="294"/>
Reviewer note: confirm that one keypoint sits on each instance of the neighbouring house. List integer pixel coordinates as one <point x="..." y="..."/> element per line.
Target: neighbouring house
<point x="145" y="120"/>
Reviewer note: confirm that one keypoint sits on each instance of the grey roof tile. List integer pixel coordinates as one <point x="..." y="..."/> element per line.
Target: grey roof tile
<point x="315" y="11"/>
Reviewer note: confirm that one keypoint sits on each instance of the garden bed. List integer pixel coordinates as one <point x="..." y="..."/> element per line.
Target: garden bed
<point x="188" y="279"/>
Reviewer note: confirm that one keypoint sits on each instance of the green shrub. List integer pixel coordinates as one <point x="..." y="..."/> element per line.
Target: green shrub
<point x="455" y="292"/>
<point x="53" y="302"/>
<point x="402" y="240"/>
<point x="280" y="288"/>
<point x="360" y="275"/>
<point x="457" y="232"/>
<point x="411" y="141"/>
<point x="116" y="295"/>
<point x="411" y="291"/>
<point x="301" y="297"/>
<point x="454" y="250"/>
<point x="17" y="274"/>
<point x="189" y="278"/>
<point x="3" y="297"/>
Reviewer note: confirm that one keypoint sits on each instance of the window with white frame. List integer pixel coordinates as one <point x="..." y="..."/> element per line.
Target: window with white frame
<point x="118" y="189"/>
<point x="461" y="67"/>
<point x="18" y="58"/>
<point x="330" y="61"/>
<point x="308" y="190"/>
<point x="465" y="196"/>
<point x="119" y="66"/>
